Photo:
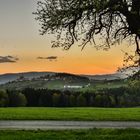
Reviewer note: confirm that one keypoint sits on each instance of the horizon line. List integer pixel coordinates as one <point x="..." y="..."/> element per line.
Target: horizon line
<point x="57" y="72"/>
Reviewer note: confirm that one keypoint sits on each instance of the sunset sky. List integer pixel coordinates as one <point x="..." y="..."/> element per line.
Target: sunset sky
<point x="22" y="49"/>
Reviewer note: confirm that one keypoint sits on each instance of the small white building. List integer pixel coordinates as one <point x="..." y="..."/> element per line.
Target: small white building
<point x="71" y="87"/>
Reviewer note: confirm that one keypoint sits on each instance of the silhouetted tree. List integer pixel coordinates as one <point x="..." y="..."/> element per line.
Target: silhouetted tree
<point x="4" y="100"/>
<point x="85" y="20"/>
<point x="45" y="99"/>
<point x="98" y="101"/>
<point x="105" y="101"/>
<point x="32" y="96"/>
<point x="112" y="101"/>
<point x="113" y="97"/>
<point x="121" y="100"/>
<point x="72" y="100"/>
<point x="56" y="99"/>
<point x="17" y="99"/>
<point x="81" y="101"/>
<point x="65" y="99"/>
<point x="91" y="101"/>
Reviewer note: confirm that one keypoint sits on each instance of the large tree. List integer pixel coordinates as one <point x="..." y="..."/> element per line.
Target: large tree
<point x="87" y="20"/>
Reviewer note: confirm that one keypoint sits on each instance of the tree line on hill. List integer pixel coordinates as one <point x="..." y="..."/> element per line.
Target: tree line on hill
<point x="113" y="97"/>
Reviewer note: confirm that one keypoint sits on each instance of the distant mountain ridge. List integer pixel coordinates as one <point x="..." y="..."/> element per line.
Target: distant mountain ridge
<point x="107" y="76"/>
<point x="5" y="78"/>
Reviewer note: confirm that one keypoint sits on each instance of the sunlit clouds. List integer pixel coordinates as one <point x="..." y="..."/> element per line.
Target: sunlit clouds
<point x="8" y="59"/>
<point x="50" y="58"/>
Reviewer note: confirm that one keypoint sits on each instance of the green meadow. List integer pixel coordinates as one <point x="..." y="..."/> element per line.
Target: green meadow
<point x="92" y="114"/>
<point x="92" y="134"/>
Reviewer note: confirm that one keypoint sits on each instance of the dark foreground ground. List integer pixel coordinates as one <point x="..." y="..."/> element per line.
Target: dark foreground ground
<point x="88" y="134"/>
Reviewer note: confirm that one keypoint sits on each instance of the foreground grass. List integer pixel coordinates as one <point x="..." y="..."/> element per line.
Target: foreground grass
<point x="93" y="134"/>
<point x="93" y="114"/>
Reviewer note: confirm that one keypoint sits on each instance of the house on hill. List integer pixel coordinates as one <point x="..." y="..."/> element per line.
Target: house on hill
<point x="72" y="87"/>
<point x="76" y="86"/>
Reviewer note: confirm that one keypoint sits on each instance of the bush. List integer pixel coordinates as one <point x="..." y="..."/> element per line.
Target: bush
<point x="4" y="100"/>
<point x="56" y="99"/>
<point x="17" y="100"/>
<point x="81" y="101"/>
<point x="98" y="100"/>
<point x="45" y="100"/>
<point x="72" y="100"/>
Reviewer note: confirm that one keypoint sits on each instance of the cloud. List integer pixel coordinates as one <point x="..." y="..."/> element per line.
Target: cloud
<point x="8" y="59"/>
<point x="50" y="58"/>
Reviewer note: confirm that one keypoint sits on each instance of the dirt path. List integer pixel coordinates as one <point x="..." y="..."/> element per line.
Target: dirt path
<point x="58" y="125"/>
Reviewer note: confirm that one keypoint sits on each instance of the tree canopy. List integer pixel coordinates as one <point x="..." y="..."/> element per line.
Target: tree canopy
<point x="87" y="20"/>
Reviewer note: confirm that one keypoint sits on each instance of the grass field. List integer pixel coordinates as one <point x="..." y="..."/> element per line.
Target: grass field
<point x="96" y="114"/>
<point x="93" y="134"/>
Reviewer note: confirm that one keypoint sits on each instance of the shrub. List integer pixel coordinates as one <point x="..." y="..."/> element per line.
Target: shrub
<point x="17" y="100"/>
<point x="4" y="100"/>
<point x="56" y="99"/>
<point x="81" y="101"/>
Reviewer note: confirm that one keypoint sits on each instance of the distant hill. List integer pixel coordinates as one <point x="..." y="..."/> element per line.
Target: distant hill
<point x="4" y="78"/>
<point x="107" y="76"/>
<point x="46" y="80"/>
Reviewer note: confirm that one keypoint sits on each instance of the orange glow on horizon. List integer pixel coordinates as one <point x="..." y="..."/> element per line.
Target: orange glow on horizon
<point x="20" y="38"/>
<point x="74" y="61"/>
